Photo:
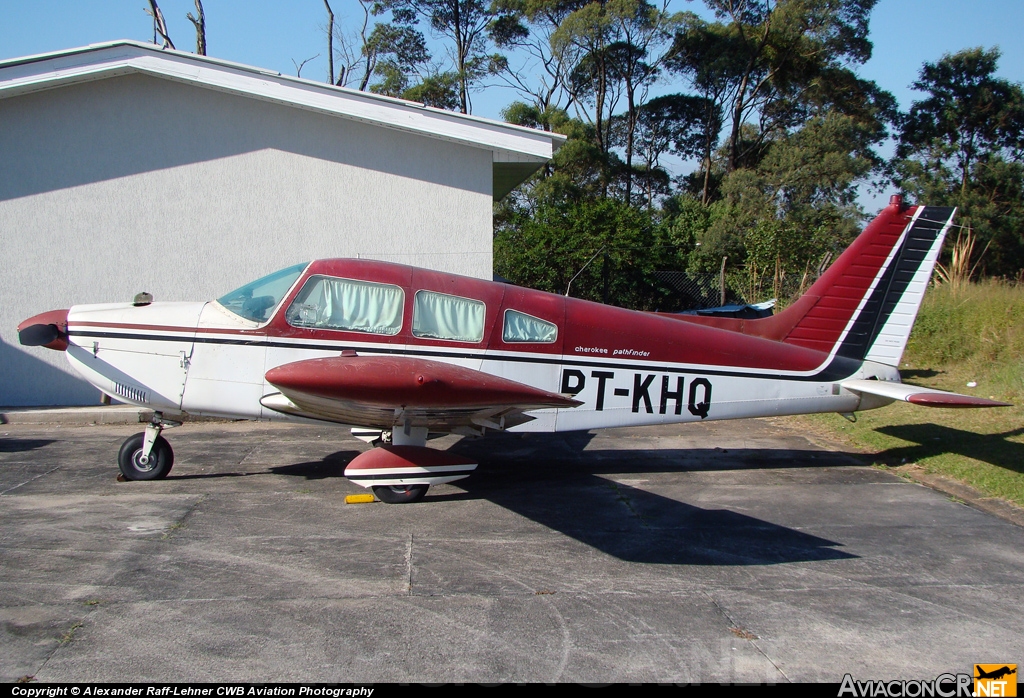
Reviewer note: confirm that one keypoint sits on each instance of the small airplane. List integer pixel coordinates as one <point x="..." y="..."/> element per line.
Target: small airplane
<point x="401" y="353"/>
<point x="995" y="674"/>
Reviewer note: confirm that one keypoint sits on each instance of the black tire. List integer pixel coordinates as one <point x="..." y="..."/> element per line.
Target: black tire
<point x="160" y="459"/>
<point x="400" y="494"/>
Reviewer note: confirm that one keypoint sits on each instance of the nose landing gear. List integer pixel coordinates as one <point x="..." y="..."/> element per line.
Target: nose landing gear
<point x="147" y="455"/>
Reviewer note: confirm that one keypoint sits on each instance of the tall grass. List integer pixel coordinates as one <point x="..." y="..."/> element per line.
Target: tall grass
<point x="960" y="270"/>
<point x="973" y="331"/>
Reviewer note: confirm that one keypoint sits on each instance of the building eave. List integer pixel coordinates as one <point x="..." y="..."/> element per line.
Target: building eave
<point x="514" y="148"/>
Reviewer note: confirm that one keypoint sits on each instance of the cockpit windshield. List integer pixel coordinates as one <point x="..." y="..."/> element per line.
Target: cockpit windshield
<point x="257" y="300"/>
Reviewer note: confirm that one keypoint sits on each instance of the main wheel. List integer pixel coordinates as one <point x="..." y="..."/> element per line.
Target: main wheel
<point x="156" y="467"/>
<point x="400" y="494"/>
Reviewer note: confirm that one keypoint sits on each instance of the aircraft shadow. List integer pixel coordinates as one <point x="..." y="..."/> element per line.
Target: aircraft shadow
<point x="559" y="487"/>
<point x="568" y="452"/>
<point x="331" y="466"/>
<point x="934" y="439"/>
<point x="49" y="385"/>
<point x="919" y="373"/>
<point x="551" y="479"/>
<point x="8" y="445"/>
<point x="634" y="525"/>
<point x="212" y="476"/>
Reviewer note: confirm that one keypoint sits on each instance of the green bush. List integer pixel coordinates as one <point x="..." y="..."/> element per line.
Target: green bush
<point x="973" y="332"/>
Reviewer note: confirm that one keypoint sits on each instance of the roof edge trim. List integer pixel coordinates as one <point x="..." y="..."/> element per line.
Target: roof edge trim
<point x="56" y="69"/>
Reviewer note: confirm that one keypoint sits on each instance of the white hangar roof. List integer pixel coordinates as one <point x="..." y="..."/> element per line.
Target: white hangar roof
<point x="517" y="152"/>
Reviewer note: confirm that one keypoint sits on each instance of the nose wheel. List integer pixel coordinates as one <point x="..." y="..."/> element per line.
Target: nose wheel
<point x="147" y="455"/>
<point x="134" y="465"/>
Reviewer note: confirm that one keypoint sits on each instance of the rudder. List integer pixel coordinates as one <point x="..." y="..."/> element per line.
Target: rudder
<point x="882" y="325"/>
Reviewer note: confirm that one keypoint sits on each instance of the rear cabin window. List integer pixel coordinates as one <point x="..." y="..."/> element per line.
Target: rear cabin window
<point x="440" y="316"/>
<point x="520" y="327"/>
<point x="346" y="304"/>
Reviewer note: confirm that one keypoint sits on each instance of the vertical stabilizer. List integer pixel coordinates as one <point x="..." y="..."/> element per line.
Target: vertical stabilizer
<point x="864" y="306"/>
<point x="882" y="329"/>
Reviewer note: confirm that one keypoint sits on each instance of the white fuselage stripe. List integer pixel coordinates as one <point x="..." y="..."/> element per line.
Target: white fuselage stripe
<point x="437" y="353"/>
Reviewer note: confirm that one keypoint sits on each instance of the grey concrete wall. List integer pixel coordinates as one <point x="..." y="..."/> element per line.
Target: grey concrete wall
<point x="138" y="183"/>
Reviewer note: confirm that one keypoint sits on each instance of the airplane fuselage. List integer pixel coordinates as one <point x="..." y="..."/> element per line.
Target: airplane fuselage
<point x="628" y="368"/>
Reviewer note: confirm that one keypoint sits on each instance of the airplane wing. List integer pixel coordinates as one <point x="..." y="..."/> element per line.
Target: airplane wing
<point x="384" y="391"/>
<point x="928" y="397"/>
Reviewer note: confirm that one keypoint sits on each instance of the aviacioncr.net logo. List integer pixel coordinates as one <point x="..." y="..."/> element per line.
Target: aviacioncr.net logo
<point x="942" y="686"/>
<point x="995" y="680"/>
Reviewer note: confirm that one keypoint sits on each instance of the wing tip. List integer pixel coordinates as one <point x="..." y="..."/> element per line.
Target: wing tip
<point x="953" y="400"/>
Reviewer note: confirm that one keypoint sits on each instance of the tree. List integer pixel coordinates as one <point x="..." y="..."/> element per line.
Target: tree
<point x="299" y="65"/>
<point x="199" y="21"/>
<point x="440" y="90"/>
<point x="703" y="52"/>
<point x="577" y="171"/>
<point x="391" y="50"/>
<point x="330" y="43"/>
<point x="774" y="195"/>
<point x="963" y="146"/>
<point x="763" y="57"/>
<point x="675" y="123"/>
<point x="624" y="245"/>
<point x="613" y="44"/>
<point x="159" y="25"/>
<point x="466" y="24"/>
<point x="798" y="203"/>
<point x="634" y="62"/>
<point x="528" y="26"/>
<point x="968" y="115"/>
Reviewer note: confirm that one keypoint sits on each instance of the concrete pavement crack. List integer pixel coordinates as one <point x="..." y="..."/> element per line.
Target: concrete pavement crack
<point x="408" y="566"/>
<point x="734" y="624"/>
<point x="11" y="489"/>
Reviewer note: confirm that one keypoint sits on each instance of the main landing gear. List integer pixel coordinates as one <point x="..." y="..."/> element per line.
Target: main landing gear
<point x="147" y="455"/>
<point x="400" y="494"/>
<point x="400" y="472"/>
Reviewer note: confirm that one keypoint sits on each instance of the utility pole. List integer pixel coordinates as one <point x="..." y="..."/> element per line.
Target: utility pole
<point x="721" y="283"/>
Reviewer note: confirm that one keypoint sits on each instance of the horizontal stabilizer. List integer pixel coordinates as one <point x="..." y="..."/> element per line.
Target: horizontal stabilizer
<point x="928" y="397"/>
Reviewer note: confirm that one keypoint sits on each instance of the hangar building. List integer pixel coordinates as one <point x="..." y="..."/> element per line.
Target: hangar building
<point x="128" y="168"/>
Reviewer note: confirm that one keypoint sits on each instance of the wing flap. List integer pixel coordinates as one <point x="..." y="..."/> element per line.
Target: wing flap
<point x="929" y="397"/>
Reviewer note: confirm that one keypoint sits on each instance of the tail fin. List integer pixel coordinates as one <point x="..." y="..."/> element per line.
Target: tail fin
<point x="868" y="300"/>
<point x="863" y="307"/>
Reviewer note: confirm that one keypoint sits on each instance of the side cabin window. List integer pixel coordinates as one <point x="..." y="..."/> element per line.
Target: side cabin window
<point x="520" y="327"/>
<point x="346" y="304"/>
<point x="440" y="316"/>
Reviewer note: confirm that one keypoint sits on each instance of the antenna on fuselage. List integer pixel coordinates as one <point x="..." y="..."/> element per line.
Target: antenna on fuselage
<point x="569" y="285"/>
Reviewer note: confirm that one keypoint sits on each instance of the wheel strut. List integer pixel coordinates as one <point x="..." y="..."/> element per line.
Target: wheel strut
<point x="153" y="429"/>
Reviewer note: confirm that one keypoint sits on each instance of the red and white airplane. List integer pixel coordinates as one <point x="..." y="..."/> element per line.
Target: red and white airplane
<point x="401" y="353"/>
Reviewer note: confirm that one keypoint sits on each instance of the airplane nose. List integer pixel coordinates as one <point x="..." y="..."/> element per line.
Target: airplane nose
<point x="49" y="329"/>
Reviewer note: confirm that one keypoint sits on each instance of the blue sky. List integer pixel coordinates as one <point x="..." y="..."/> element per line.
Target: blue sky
<point x="272" y="34"/>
